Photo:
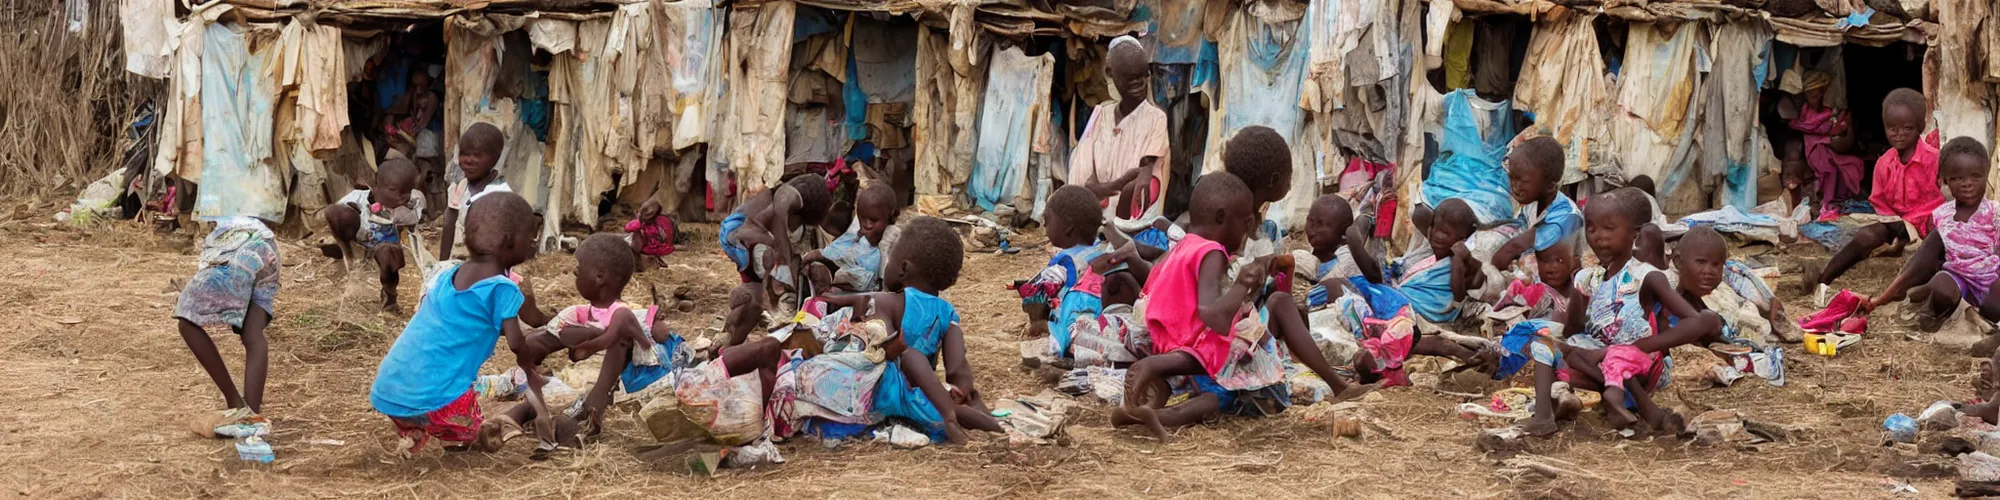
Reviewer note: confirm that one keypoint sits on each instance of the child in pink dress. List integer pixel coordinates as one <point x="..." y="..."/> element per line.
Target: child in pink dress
<point x="1959" y="257"/>
<point x="1824" y="128"/>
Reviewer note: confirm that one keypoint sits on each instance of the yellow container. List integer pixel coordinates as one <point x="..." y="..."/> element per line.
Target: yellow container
<point x="1819" y="344"/>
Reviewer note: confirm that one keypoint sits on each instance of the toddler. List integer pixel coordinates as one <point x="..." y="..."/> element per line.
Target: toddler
<point x="375" y="219"/>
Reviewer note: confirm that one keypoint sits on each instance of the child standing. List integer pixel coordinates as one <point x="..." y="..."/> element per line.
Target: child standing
<point x="375" y="219"/>
<point x="1961" y="259"/>
<point x="1068" y="288"/>
<point x="758" y="236"/>
<point x="235" y="283"/>
<point x="479" y="151"/>
<point x="1905" y="186"/>
<point x="425" y="383"/>
<point x="1611" y="316"/>
<point x="853" y="262"/>
<point x="651" y="235"/>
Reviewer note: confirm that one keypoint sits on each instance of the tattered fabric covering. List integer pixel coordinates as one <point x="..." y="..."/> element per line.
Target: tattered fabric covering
<point x="1563" y="84"/>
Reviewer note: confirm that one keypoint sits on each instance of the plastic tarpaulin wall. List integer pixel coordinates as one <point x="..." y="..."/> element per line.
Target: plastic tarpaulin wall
<point x="1016" y="105"/>
<point x="753" y="133"/>
<point x="1262" y="69"/>
<point x="238" y="91"/>
<point x="1654" y="102"/>
<point x="693" y="33"/>
<point x="1564" y="86"/>
<point x="1469" y="152"/>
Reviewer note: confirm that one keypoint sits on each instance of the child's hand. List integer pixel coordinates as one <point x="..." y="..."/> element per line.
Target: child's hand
<point x="1251" y="276"/>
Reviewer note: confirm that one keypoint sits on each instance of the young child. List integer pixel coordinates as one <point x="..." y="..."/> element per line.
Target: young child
<point x="1068" y="288"/>
<point x="1959" y="261"/>
<point x="235" y="283"/>
<point x="478" y="154"/>
<point x="758" y="238"/>
<point x="1544" y="296"/>
<point x="375" y="219"/>
<point x="1826" y="130"/>
<point x="651" y="235"/>
<point x="625" y="334"/>
<point x="1612" y="344"/>
<point x="1260" y="158"/>
<point x="923" y="265"/>
<point x="1546" y="216"/>
<point x="1188" y="306"/>
<point x="853" y="262"/>
<point x="425" y="383"/>
<point x="1436" y="280"/>
<point x="1905" y="185"/>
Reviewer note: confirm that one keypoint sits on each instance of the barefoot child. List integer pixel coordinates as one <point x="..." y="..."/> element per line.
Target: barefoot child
<point x="1068" y="288"/>
<point x="1545" y="295"/>
<point x="1905" y="185"/>
<point x="375" y="219"/>
<point x="478" y="155"/>
<point x="758" y="238"/>
<point x="651" y="235"/>
<point x="1189" y="302"/>
<point x="425" y="383"/>
<point x="926" y="333"/>
<point x="235" y="283"/>
<point x="1959" y="261"/>
<point x="853" y="262"/>
<point x="1827" y="137"/>
<point x="1610" y="327"/>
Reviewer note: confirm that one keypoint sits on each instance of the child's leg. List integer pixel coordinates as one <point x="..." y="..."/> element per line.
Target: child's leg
<point x="389" y="260"/>
<point x="1289" y="324"/>
<point x="1939" y="297"/>
<point x="1989" y="306"/>
<point x="746" y="306"/>
<point x="1661" y="420"/>
<point x="256" y="357"/>
<point x="599" y="396"/>
<point x="1865" y="241"/>
<point x="761" y="356"/>
<point x="1543" y="422"/>
<point x="918" y="371"/>
<point x="1197" y="409"/>
<point x="344" y="222"/>
<point x="1147" y="374"/>
<point x="211" y="361"/>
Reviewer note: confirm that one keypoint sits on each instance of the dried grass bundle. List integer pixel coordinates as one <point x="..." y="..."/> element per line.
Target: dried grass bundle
<point x="63" y="115"/>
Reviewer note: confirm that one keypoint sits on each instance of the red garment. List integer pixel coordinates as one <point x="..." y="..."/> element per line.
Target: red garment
<point x="1844" y="305"/>
<point x="655" y="237"/>
<point x="456" y="423"/>
<point x="1909" y="190"/>
<point x="1839" y="174"/>
<point x="1173" y="295"/>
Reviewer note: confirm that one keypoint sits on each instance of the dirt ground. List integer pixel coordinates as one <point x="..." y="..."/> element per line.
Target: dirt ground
<point x="99" y="387"/>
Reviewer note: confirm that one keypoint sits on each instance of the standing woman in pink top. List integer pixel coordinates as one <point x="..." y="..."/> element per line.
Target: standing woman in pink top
<point x="1906" y="189"/>
<point x="1122" y="156"/>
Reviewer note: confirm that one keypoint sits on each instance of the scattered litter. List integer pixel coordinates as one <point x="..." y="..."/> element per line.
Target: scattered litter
<point x="1900" y="428"/>
<point x="751" y="455"/>
<point x="326" y="442"/>
<point x="254" y="449"/>
<point x="1940" y="416"/>
<point x="901" y="436"/>
<point x="1035" y="420"/>
<point x="1896" y="487"/>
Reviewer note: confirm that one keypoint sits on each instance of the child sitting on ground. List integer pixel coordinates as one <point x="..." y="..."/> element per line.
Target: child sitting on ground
<point x="1827" y="137"/>
<point x="1068" y="288"/>
<point x="1188" y="306"/>
<point x="757" y="237"/>
<point x="425" y="383"/>
<point x="235" y="283"/>
<point x="1611" y="342"/>
<point x="1544" y="296"/>
<point x="478" y="154"/>
<point x="1959" y="261"/>
<point x="853" y="262"/>
<point x="1546" y="216"/>
<point x="651" y="235"/>
<point x="1435" y="279"/>
<point x="375" y="219"/>
<point x="926" y="332"/>
<point x="1906" y="190"/>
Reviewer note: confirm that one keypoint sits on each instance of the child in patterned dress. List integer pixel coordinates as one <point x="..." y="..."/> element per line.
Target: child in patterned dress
<point x="1959" y="261"/>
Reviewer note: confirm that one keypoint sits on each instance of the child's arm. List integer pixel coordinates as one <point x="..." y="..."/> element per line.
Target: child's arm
<point x="1370" y="268"/>
<point x="957" y="371"/>
<point x="530" y="313"/>
<point x="545" y="429"/>
<point x="1574" y="318"/>
<point x="1218" y="307"/>
<point x="1519" y="244"/>
<point x="449" y="226"/>
<point x="777" y="221"/>
<point x="1933" y="248"/>
<point x="1465" y="272"/>
<point x="856" y="301"/>
<point x="1663" y="293"/>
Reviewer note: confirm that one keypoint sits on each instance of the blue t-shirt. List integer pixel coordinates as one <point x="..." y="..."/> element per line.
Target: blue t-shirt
<point x="1559" y="220"/>
<point x="439" y="354"/>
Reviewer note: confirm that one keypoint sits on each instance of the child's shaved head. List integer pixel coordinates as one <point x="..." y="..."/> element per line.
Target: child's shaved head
<point x="876" y="196"/>
<point x="1214" y="197"/>
<point x="1454" y="214"/>
<point x="607" y="257"/>
<point x="498" y="221"/>
<point x="1699" y="258"/>
<point x="1628" y="203"/>
<point x="396" y="174"/>
<point x="815" y="200"/>
<point x="1537" y="161"/>
<point x="1701" y="240"/>
<point x="1331" y="209"/>
<point x="482" y="137"/>
<point x="930" y="254"/>
<point x="1908" y="100"/>
<point x="1073" y="211"/>
<point x="1259" y="157"/>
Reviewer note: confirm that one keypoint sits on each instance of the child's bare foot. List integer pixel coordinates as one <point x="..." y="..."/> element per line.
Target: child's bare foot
<point x="1568" y="406"/>
<point x="1673" y="424"/>
<point x="1984" y="348"/>
<point x="1988" y="411"/>
<point x="1983" y="386"/>
<point x="330" y="250"/>
<point x="1122" y="418"/>
<point x="496" y="433"/>
<point x="1618" y="417"/>
<point x="1150" y="419"/>
<point x="1539" y="426"/>
<point x="389" y="302"/>
<point x="954" y="433"/>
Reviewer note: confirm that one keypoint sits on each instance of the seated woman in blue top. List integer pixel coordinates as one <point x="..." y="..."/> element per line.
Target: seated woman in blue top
<point x="424" y="384"/>
<point x="923" y="265"/>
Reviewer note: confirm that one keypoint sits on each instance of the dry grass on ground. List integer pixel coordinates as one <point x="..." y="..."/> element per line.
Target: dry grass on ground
<point x="98" y="387"/>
